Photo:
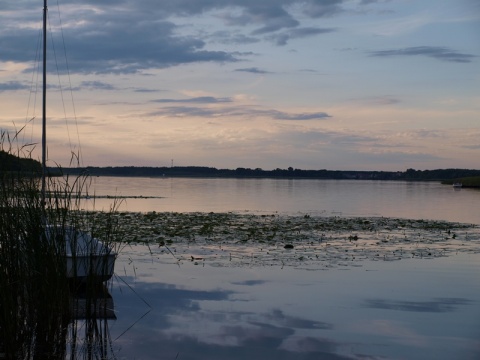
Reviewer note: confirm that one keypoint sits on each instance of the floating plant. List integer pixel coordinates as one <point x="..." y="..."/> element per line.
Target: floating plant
<point x="245" y="239"/>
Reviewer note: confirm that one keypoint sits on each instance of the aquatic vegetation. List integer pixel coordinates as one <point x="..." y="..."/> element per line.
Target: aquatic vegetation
<point x="37" y="300"/>
<point x="246" y="239"/>
<point x="472" y="181"/>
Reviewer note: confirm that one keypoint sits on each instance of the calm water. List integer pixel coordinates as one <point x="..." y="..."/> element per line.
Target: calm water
<point x="408" y="309"/>
<point x="416" y="200"/>
<point x="412" y="309"/>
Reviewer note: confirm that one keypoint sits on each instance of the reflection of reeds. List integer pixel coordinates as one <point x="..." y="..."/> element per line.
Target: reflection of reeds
<point x="91" y="309"/>
<point x="35" y="296"/>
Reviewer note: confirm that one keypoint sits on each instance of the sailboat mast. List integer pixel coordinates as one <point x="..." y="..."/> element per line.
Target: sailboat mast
<point x="44" y="105"/>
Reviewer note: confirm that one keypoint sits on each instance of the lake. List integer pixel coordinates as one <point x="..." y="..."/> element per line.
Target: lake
<point x="417" y="200"/>
<point x="169" y="306"/>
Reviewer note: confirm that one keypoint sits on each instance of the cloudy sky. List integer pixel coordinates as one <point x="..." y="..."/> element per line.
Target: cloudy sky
<point x="312" y="84"/>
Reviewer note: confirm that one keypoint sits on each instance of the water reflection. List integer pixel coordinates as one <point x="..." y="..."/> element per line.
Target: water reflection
<point x="89" y="334"/>
<point x="34" y="330"/>
<point x="187" y="324"/>
<point x="184" y="327"/>
<point x="370" y="312"/>
<point x="162" y="309"/>
<point x="434" y="306"/>
<point x="418" y="200"/>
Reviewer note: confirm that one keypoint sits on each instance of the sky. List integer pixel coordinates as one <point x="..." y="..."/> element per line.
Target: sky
<point x="309" y="84"/>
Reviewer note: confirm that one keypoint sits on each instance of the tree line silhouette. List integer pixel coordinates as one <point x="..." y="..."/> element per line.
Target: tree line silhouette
<point x="202" y="171"/>
<point x="9" y="162"/>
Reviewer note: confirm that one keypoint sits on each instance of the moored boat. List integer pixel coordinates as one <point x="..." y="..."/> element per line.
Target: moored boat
<point x="86" y="257"/>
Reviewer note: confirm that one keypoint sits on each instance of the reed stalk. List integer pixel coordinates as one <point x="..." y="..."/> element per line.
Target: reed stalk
<point x="36" y="298"/>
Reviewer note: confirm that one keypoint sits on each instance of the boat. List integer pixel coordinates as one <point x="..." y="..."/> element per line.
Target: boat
<point x="86" y="257"/>
<point x="457" y="185"/>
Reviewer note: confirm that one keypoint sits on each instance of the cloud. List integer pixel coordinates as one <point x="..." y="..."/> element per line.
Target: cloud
<point x="368" y="2"/>
<point x="233" y="111"/>
<point x="323" y="8"/>
<point x="472" y="147"/>
<point x="436" y="52"/>
<point x="97" y="85"/>
<point x="199" y="100"/>
<point x="229" y="38"/>
<point x="127" y="36"/>
<point x="378" y="100"/>
<point x="282" y="39"/>
<point x="300" y="116"/>
<point x="112" y="40"/>
<point x="253" y="70"/>
<point x="185" y="111"/>
<point x="13" y="86"/>
<point x="144" y="90"/>
<point x="270" y="15"/>
<point x="141" y="46"/>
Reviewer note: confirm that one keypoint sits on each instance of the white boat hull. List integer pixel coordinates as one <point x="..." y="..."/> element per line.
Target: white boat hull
<point x="87" y="258"/>
<point x="97" y="267"/>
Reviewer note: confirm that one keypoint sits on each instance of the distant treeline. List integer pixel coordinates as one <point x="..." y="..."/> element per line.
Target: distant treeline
<point x="201" y="171"/>
<point x="12" y="163"/>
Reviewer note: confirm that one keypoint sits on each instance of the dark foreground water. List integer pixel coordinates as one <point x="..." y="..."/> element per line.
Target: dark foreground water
<point x="408" y="309"/>
<point x="172" y="304"/>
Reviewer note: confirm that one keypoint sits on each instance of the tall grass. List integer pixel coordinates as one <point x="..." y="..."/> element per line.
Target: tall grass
<point x="36" y="298"/>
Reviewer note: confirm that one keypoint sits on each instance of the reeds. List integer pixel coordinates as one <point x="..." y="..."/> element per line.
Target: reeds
<point x="37" y="299"/>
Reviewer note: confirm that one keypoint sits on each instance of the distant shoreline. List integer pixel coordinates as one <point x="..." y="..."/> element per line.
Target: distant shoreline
<point x="468" y="177"/>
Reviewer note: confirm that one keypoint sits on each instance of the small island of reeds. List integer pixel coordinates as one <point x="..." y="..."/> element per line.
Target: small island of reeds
<point x="468" y="182"/>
